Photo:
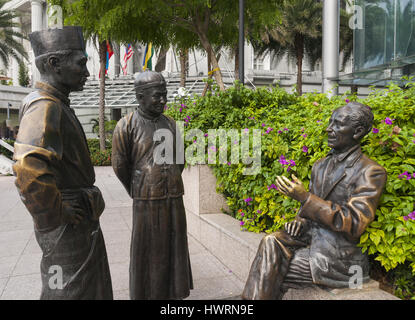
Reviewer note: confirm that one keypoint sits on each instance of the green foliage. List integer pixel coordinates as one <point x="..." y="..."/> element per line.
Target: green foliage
<point x="109" y="127"/>
<point x="289" y="123"/>
<point x="5" y="151"/>
<point x="10" y="45"/>
<point x="98" y="157"/>
<point x="23" y="75"/>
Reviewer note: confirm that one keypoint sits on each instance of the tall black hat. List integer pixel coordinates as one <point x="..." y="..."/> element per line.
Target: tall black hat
<point x="53" y="40"/>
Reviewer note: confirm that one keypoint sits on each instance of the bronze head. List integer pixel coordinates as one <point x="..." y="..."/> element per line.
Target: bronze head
<point x="61" y="58"/>
<point x="151" y="92"/>
<point x="348" y="125"/>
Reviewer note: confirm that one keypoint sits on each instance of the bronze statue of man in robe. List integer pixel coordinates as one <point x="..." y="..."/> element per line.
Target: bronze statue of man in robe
<point x="55" y="176"/>
<point x="320" y="246"/>
<point x="159" y="263"/>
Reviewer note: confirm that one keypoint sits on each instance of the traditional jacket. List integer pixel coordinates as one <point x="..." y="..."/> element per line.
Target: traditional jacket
<point x="53" y="158"/>
<point x="344" y="194"/>
<point x="133" y="158"/>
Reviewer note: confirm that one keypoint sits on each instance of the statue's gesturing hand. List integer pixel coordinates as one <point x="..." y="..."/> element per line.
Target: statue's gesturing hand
<point x="293" y="189"/>
<point x="293" y="228"/>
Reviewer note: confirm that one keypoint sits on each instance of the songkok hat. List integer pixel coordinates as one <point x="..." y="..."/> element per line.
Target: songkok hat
<point x="148" y="79"/>
<point x="53" y="40"/>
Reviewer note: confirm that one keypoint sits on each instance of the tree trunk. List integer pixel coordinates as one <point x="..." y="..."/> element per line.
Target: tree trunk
<point x="215" y="64"/>
<point x="183" y="70"/>
<point x="236" y="50"/>
<point x="209" y="67"/>
<point x="299" y="47"/>
<point x="161" y="60"/>
<point x="102" y="62"/>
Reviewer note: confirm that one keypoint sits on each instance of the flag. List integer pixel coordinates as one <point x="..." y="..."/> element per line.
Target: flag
<point x="148" y="55"/>
<point x="110" y="52"/>
<point x="128" y="54"/>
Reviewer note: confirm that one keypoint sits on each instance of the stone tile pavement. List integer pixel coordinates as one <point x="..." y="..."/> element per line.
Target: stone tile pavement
<point x="20" y="254"/>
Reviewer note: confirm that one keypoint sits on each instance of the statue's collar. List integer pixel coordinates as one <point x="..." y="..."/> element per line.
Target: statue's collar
<point x="52" y="91"/>
<point x="341" y="156"/>
<point x="147" y="116"/>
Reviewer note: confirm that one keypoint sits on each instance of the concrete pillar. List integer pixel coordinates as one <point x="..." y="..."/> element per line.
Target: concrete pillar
<point x="331" y="27"/>
<point x="117" y="66"/>
<point x="37" y="17"/>
<point x="137" y="58"/>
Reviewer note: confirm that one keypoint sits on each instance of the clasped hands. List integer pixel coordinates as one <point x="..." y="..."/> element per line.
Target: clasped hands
<point x="295" y="190"/>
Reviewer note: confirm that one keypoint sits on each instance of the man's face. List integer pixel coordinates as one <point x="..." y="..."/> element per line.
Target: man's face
<point x="340" y="131"/>
<point x="153" y="100"/>
<point x="73" y="71"/>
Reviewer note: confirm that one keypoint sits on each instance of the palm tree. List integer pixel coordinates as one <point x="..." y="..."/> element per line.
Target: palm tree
<point x="299" y="35"/>
<point x="9" y="37"/>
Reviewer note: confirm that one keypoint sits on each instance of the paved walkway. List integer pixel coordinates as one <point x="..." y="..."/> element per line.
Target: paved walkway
<point x="20" y="254"/>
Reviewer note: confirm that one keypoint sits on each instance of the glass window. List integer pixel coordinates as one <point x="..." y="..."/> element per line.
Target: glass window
<point x="388" y="35"/>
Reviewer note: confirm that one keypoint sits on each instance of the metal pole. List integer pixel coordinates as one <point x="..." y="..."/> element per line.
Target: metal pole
<point x="241" y="41"/>
<point x="331" y="26"/>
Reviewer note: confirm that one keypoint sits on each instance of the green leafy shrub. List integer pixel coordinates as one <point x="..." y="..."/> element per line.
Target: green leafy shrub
<point x="294" y="127"/>
<point x="7" y="152"/>
<point x="98" y="157"/>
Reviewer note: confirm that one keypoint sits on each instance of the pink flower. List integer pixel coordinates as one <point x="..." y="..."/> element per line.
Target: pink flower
<point x="315" y="103"/>
<point x="347" y="100"/>
<point x="305" y="149"/>
<point x="241" y="223"/>
<point x="375" y="130"/>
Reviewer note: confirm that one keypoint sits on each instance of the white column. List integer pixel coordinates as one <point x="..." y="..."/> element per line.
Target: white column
<point x="331" y="20"/>
<point x="37" y="25"/>
<point x="37" y="15"/>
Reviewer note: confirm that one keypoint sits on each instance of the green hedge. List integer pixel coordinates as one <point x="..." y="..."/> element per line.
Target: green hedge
<point x="294" y="127"/>
<point x="5" y="151"/>
<point x="98" y="157"/>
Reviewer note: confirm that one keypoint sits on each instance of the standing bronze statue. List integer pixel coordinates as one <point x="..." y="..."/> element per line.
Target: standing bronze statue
<point x="159" y="262"/>
<point x="320" y="246"/>
<point x="55" y="176"/>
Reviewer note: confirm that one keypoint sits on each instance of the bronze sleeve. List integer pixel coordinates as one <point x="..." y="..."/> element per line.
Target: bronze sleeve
<point x="357" y="213"/>
<point x="38" y="145"/>
<point x="120" y="154"/>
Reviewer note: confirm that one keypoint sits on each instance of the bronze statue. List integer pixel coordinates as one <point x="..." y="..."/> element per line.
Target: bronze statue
<point x="55" y="176"/>
<point x="320" y="246"/>
<point x="159" y="262"/>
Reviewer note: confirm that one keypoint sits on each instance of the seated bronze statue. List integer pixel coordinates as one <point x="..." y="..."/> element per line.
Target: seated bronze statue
<point x="320" y="246"/>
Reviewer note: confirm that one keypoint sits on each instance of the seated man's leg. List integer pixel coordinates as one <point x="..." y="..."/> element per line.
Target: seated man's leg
<point x="299" y="273"/>
<point x="270" y="266"/>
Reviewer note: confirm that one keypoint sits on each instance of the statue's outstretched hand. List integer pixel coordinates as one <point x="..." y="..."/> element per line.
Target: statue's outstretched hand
<point x="293" y="189"/>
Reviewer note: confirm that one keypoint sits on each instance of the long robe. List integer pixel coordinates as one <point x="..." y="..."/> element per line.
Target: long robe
<point x="160" y="264"/>
<point x="53" y="170"/>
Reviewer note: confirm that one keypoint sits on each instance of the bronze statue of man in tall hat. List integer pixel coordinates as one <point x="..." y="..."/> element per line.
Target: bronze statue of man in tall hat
<point x="55" y="176"/>
<point x="159" y="263"/>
